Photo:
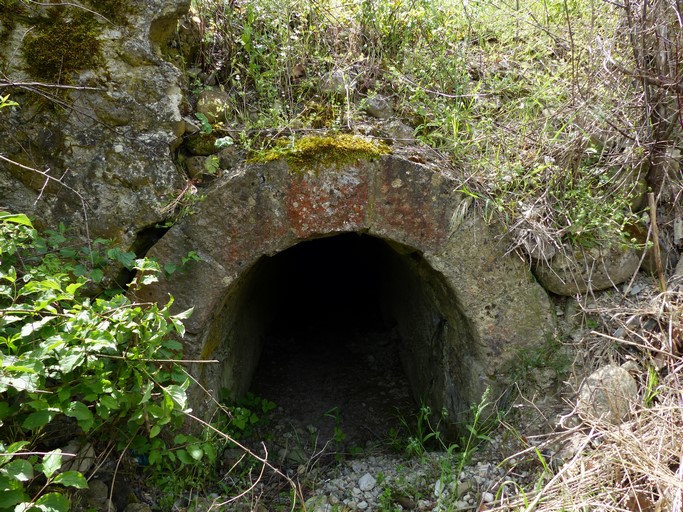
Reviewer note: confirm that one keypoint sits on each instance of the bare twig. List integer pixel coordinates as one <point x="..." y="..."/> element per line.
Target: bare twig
<point x="9" y="83"/>
<point x="655" y="239"/>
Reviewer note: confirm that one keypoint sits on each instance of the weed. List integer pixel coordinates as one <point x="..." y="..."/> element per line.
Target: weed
<point x="245" y="414"/>
<point x="422" y="434"/>
<point x="339" y="435"/>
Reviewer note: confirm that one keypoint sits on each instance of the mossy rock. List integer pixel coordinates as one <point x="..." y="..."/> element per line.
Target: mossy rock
<point x="61" y="45"/>
<point x="201" y="144"/>
<point x="314" y="152"/>
<point x="116" y="11"/>
<point x="11" y="13"/>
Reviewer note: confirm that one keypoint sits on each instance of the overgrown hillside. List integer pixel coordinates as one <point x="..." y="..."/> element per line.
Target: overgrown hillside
<point x="559" y="115"/>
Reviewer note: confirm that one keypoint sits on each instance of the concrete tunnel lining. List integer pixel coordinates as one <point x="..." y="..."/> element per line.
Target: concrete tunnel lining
<point x="347" y="284"/>
<point x="472" y="306"/>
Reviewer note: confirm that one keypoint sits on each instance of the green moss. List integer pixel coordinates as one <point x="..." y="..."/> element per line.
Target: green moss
<point x="10" y="12"/>
<point x="116" y="11"/>
<point x="61" y="45"/>
<point x="314" y="152"/>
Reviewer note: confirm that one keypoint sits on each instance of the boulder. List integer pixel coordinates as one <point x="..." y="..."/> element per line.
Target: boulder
<point x="607" y="394"/>
<point x="337" y="83"/>
<point x="378" y="106"/>
<point x="578" y="270"/>
<point x="215" y="104"/>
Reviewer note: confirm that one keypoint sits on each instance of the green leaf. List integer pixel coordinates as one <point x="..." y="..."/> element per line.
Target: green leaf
<point x="10" y="498"/>
<point x="172" y="344"/>
<point x="10" y="276"/>
<point x="38" y="419"/>
<point x="32" y="327"/>
<point x="148" y="279"/>
<point x="96" y="275"/>
<point x="224" y="142"/>
<point x="195" y="452"/>
<point x="206" y="125"/>
<point x="15" y="219"/>
<point x="184" y="457"/>
<point x="155" y="457"/>
<point x="212" y="165"/>
<point x="184" y="314"/>
<point x="71" y="361"/>
<point x="11" y="449"/>
<point x="178" y="395"/>
<point x="19" y="469"/>
<point x="109" y="401"/>
<point x="210" y="452"/>
<point x="127" y="259"/>
<point x="53" y="502"/>
<point x="71" y="479"/>
<point x="170" y="268"/>
<point x="148" y="393"/>
<point x="71" y="288"/>
<point x="81" y="412"/>
<point x="154" y="431"/>
<point x="52" y="461"/>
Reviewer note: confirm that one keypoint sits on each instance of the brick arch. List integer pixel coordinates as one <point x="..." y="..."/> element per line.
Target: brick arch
<point x="487" y="305"/>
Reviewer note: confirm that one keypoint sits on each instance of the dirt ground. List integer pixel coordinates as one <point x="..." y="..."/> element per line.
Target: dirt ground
<point x="343" y="385"/>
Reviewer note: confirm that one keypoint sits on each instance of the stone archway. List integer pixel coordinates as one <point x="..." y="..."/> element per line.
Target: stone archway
<point x="463" y="308"/>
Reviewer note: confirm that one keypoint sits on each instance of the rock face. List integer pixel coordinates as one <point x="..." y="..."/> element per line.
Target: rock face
<point x="463" y="309"/>
<point x="107" y="131"/>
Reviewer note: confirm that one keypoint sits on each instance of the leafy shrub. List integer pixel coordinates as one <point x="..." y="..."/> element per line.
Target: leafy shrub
<point x="97" y="367"/>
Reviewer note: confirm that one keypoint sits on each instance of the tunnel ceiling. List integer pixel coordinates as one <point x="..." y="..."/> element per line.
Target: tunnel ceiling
<point x="464" y="308"/>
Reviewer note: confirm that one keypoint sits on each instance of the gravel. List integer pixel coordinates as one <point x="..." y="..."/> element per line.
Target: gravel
<point x="380" y="482"/>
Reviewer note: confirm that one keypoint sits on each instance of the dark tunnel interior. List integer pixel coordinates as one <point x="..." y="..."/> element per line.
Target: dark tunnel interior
<point x="332" y="284"/>
<point x="330" y="357"/>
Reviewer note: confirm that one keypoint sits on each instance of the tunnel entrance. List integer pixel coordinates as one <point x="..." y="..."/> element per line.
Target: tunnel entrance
<point x="346" y="332"/>
<point x="437" y="283"/>
<point x="331" y="354"/>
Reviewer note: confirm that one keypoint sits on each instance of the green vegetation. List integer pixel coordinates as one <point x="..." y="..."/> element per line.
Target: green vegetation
<point x="97" y="369"/>
<point x="535" y="104"/>
<point x="6" y="102"/>
<point x="424" y="436"/>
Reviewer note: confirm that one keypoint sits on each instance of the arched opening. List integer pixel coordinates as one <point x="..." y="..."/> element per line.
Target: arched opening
<point x="345" y="331"/>
<point x="331" y="353"/>
<point x="459" y="309"/>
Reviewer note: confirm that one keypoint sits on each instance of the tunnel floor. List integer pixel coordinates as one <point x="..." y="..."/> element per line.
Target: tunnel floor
<point x="345" y="388"/>
<point x="330" y="361"/>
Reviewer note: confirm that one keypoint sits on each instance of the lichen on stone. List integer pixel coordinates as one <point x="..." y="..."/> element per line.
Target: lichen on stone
<point x="58" y="46"/>
<point x="314" y="152"/>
